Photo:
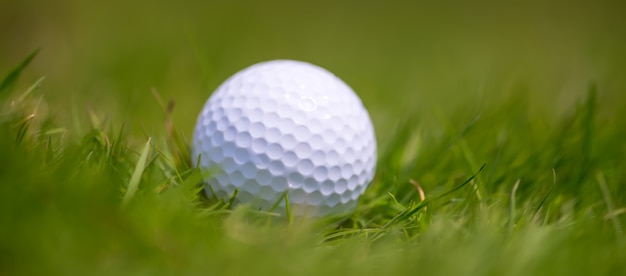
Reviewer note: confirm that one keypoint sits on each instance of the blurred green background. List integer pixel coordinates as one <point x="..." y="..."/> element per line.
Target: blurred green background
<point x="404" y="58"/>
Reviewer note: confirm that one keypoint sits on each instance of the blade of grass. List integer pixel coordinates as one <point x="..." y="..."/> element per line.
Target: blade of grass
<point x="288" y="209"/>
<point x="12" y="76"/>
<point x="512" y="205"/>
<point x="30" y="89"/>
<point x="276" y="203"/>
<point x="545" y="198"/>
<point x="23" y="128"/>
<point x="610" y="206"/>
<point x="133" y="184"/>
<point x="232" y="199"/>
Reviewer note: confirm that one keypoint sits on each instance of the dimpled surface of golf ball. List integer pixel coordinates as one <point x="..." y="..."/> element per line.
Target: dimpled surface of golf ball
<point x="290" y="127"/>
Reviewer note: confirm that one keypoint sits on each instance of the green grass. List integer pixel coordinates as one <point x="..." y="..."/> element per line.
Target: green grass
<point x="501" y="146"/>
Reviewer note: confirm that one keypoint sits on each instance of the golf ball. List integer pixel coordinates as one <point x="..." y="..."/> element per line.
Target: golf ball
<point x="286" y="127"/>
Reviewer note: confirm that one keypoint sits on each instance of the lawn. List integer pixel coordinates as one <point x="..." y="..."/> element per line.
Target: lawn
<point x="500" y="129"/>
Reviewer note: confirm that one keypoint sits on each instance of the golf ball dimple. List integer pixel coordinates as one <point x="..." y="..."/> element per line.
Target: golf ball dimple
<point x="286" y="126"/>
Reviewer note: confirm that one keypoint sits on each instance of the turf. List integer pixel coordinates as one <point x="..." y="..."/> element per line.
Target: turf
<point x="501" y="143"/>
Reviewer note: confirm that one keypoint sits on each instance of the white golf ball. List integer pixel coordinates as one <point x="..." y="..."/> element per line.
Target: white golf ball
<point x="286" y="127"/>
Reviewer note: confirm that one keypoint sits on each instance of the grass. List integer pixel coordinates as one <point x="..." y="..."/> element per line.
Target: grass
<point x="550" y="203"/>
<point x="483" y="169"/>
